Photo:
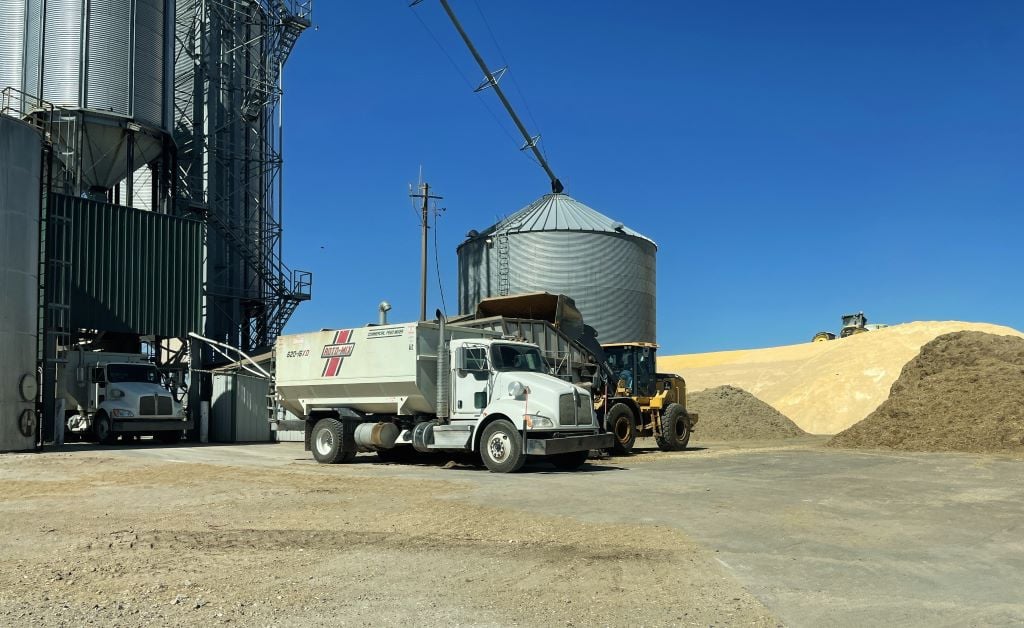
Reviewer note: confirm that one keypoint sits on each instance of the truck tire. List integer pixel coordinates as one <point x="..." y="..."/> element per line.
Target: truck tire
<point x="326" y="442"/>
<point x="103" y="429"/>
<point x="621" y="424"/>
<point x="501" y="447"/>
<point x="675" y="429"/>
<point x="570" y="461"/>
<point x="168" y="438"/>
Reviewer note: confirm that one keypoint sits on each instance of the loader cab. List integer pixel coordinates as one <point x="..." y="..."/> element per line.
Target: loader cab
<point x="633" y="364"/>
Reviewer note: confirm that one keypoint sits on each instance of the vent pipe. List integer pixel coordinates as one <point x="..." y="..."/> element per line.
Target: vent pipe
<point x="442" y="370"/>
<point x="384" y="308"/>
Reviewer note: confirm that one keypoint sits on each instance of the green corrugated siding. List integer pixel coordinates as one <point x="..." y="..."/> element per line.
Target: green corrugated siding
<point x="133" y="271"/>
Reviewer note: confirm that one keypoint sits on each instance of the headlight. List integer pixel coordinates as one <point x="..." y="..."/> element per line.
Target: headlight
<point x="534" y="422"/>
<point x="115" y="393"/>
<point x="121" y="414"/>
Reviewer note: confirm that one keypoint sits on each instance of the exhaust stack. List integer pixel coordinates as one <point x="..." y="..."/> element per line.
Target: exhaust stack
<point x="442" y="370"/>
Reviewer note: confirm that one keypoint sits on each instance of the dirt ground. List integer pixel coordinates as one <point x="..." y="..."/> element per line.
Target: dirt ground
<point x="145" y="538"/>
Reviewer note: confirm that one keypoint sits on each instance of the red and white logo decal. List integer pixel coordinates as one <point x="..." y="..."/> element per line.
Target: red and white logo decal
<point x="336" y="352"/>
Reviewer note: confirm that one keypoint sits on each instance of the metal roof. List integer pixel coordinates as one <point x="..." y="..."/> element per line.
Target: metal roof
<point x="560" y="212"/>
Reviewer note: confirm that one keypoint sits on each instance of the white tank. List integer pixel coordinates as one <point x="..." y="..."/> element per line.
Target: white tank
<point x="20" y="163"/>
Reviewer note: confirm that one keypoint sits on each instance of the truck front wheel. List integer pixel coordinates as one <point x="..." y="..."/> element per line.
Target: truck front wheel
<point x="102" y="429"/>
<point x="327" y="441"/>
<point x="501" y="447"/>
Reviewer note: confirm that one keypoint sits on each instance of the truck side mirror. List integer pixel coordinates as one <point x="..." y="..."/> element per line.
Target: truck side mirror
<point x="97" y="375"/>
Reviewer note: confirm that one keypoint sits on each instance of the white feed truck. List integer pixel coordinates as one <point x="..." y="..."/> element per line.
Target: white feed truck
<point x="119" y="394"/>
<point x="428" y="387"/>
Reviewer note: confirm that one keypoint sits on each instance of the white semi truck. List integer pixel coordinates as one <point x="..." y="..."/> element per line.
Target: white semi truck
<point x="426" y="386"/>
<point x="108" y="395"/>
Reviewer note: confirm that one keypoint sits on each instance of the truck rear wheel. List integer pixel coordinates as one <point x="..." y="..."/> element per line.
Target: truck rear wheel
<point x="675" y="429"/>
<point x="501" y="447"/>
<point x="571" y="460"/>
<point x="622" y="425"/>
<point x="103" y="429"/>
<point x="327" y="440"/>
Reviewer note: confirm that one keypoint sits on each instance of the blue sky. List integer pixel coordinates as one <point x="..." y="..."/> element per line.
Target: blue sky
<point x="794" y="160"/>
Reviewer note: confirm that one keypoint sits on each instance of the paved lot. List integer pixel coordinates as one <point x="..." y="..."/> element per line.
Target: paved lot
<point x="821" y="537"/>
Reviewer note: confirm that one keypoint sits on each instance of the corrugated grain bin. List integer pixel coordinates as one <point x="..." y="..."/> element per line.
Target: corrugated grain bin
<point x="559" y="245"/>
<point x="104" y="55"/>
<point x="20" y="162"/>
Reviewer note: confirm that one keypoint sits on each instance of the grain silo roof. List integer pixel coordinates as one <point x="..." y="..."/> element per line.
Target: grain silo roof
<point x="561" y="212"/>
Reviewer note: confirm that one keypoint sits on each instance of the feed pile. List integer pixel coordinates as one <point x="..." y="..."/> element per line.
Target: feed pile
<point x="824" y="387"/>
<point x="963" y="392"/>
<point x="730" y="413"/>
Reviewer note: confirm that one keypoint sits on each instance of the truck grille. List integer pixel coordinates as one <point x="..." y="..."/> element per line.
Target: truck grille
<point x="155" y="405"/>
<point x="574" y="409"/>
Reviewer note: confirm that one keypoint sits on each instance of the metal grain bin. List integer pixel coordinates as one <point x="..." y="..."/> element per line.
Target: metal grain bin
<point x="20" y="160"/>
<point x="557" y="244"/>
<point x="107" y="64"/>
<point x="110" y="58"/>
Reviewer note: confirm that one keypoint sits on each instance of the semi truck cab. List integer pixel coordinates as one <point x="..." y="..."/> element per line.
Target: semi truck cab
<point x="122" y="398"/>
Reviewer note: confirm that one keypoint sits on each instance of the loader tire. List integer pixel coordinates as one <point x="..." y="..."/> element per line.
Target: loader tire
<point x="326" y="441"/>
<point x="621" y="424"/>
<point x="675" y="429"/>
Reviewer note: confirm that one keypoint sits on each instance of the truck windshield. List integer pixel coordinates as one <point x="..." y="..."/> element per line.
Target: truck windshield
<point x="516" y="358"/>
<point x="132" y="373"/>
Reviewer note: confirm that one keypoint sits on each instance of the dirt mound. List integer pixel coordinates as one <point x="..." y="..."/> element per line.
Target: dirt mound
<point x="963" y="392"/>
<point x="824" y="387"/>
<point x="730" y="413"/>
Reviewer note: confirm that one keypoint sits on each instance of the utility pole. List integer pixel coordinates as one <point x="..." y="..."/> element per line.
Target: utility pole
<point x="424" y="226"/>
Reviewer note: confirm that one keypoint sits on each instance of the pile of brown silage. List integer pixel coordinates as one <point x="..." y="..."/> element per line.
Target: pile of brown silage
<point x="963" y="392"/>
<point x="728" y="413"/>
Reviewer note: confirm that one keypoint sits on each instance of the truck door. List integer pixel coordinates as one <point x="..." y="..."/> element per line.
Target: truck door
<point x="470" y="381"/>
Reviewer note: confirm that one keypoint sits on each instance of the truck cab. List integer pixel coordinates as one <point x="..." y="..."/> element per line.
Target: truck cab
<point x="501" y="381"/>
<point x="122" y="397"/>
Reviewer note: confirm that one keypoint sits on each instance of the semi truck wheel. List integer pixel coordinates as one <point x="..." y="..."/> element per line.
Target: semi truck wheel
<point x="501" y="447"/>
<point x="622" y="424"/>
<point x="675" y="429"/>
<point x="570" y="461"/>
<point x="326" y="442"/>
<point x="102" y="429"/>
